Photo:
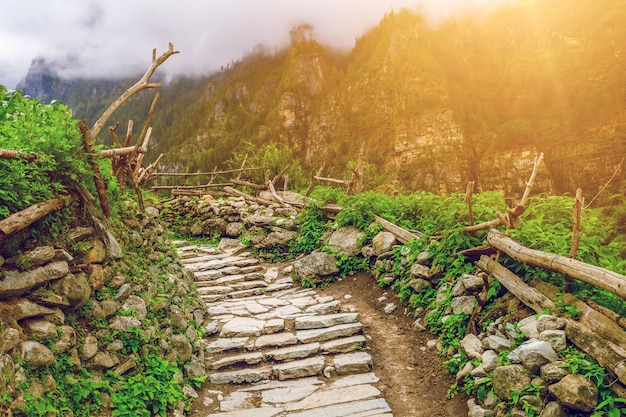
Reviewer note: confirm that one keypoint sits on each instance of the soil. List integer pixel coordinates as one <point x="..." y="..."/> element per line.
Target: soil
<point x="412" y="378"/>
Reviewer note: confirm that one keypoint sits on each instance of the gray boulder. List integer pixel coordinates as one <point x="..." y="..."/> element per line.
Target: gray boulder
<point x="315" y="266"/>
<point x="575" y="392"/>
<point x="17" y="283"/>
<point x="383" y="242"/>
<point x="507" y="378"/>
<point x="345" y="241"/>
<point x="534" y="354"/>
<point x="74" y="287"/>
<point x="36" y="354"/>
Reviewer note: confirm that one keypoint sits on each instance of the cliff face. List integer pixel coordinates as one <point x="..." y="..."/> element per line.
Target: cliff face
<point x="431" y="108"/>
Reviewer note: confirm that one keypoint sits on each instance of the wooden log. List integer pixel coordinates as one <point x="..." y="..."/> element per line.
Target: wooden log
<point x="402" y="235"/>
<point x="13" y="154"/>
<point x="189" y="187"/>
<point x="237" y="193"/>
<point x="110" y="153"/>
<point x="196" y="174"/>
<point x="248" y="184"/>
<point x="594" y="275"/>
<point x="469" y="192"/>
<point x="607" y="354"/>
<point x="144" y="145"/>
<point x="282" y="202"/>
<point x="333" y="180"/>
<point x="24" y="218"/>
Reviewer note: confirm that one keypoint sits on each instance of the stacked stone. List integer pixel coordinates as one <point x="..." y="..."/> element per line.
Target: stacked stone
<point x="274" y="349"/>
<point x="42" y="289"/>
<point x="265" y="226"/>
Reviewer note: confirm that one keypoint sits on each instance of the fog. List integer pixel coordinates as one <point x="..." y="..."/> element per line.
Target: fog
<point x="112" y="38"/>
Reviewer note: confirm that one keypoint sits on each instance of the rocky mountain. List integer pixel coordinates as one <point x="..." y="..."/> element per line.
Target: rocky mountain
<point x="430" y="107"/>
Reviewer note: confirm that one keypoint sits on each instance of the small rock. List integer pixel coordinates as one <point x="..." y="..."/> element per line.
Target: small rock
<point x="390" y="308"/>
<point x="576" y="393"/>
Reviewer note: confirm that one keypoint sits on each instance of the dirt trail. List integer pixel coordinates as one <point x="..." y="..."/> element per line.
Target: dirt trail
<point x="414" y="381"/>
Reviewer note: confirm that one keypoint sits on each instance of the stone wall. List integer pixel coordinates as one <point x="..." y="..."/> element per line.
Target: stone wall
<point x="102" y="312"/>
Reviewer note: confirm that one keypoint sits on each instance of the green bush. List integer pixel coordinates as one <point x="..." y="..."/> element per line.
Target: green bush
<point x="48" y="131"/>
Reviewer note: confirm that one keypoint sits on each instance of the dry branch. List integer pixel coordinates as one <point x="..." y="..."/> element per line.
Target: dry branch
<point x="511" y="217"/>
<point x="594" y="275"/>
<point x="314" y="180"/>
<point x="196" y="174"/>
<point x="142" y="84"/>
<point x="249" y="184"/>
<point x="111" y="153"/>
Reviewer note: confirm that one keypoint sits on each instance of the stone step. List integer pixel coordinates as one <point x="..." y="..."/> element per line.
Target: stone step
<point x="247" y="358"/>
<point x="225" y="344"/>
<point x="240" y="376"/>
<point x="246" y="293"/>
<point x="344" y="345"/>
<point x="231" y="279"/>
<point x="204" y="258"/>
<point x="245" y="262"/>
<point x="247" y="285"/>
<point x="293" y="352"/>
<point x="214" y="290"/>
<point x="319" y="322"/>
<point x="300" y="368"/>
<point x="209" y="275"/>
<point x="328" y="333"/>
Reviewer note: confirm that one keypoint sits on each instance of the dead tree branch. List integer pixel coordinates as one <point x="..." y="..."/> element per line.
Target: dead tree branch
<point x="142" y="84"/>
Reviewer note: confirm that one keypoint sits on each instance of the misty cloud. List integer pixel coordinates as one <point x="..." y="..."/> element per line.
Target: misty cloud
<point x="111" y="38"/>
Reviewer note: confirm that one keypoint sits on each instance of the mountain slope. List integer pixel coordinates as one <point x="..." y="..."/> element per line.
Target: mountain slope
<point x="431" y="108"/>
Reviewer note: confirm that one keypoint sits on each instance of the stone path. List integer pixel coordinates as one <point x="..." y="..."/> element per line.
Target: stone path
<point x="277" y="349"/>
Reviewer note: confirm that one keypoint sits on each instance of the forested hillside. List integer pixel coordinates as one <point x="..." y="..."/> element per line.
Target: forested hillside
<point x="431" y="106"/>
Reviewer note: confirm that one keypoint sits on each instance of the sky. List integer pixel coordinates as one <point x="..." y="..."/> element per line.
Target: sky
<point x="112" y="38"/>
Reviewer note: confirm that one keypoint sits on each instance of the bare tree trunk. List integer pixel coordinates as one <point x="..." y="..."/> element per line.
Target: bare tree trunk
<point x="97" y="176"/>
<point x="578" y="206"/>
<point x="140" y="85"/>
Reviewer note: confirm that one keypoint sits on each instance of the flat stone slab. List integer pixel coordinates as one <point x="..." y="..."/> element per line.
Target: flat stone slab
<point x="208" y="275"/>
<point x="242" y="327"/>
<point x="226" y="344"/>
<point x="329" y="307"/>
<point x="319" y="322"/>
<point x="353" y="363"/>
<point x="344" y="345"/>
<point x="247" y="358"/>
<point x="231" y="279"/>
<point x="329" y="333"/>
<point x="272" y="302"/>
<point x="299" y="369"/>
<point x="213" y="290"/>
<point x="232" y="270"/>
<point x="274" y="325"/>
<point x="288" y="394"/>
<point x="256" y="308"/>
<point x="358" y="379"/>
<point x="294" y="352"/>
<point x="354" y="409"/>
<point x="240" y="376"/>
<point x="276" y="339"/>
<point x="247" y="285"/>
<point x="202" y="258"/>
<point x="278" y="287"/>
<point x="250" y="412"/>
<point x="245" y="262"/>
<point x="303" y="302"/>
<point x="247" y="293"/>
<point x="267" y="385"/>
<point x="334" y="396"/>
